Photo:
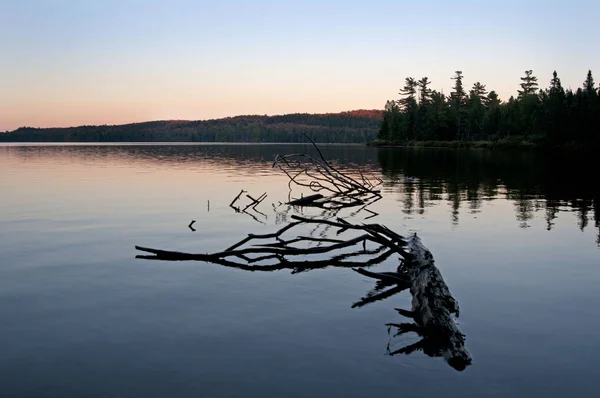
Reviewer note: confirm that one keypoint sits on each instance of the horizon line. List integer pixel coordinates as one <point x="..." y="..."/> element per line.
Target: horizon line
<point x="196" y="120"/>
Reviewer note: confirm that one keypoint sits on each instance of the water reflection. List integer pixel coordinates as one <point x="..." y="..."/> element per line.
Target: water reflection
<point x="533" y="182"/>
<point x="245" y="159"/>
<point x="538" y="185"/>
<point x="440" y="338"/>
<point x="433" y="309"/>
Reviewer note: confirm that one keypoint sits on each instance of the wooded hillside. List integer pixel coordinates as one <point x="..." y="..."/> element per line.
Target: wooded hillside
<point x="352" y="126"/>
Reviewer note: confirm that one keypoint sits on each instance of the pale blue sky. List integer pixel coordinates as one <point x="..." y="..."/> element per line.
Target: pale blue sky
<point x="75" y="62"/>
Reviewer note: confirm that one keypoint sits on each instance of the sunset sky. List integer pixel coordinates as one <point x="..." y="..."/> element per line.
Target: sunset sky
<point x="74" y="62"/>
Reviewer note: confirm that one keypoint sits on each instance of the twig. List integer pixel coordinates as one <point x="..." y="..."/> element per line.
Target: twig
<point x="236" y="198"/>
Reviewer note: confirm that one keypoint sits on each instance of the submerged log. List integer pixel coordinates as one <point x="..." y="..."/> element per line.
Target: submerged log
<point x="433" y="308"/>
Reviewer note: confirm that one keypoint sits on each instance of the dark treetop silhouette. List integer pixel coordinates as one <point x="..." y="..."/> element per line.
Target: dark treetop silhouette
<point x="433" y="307"/>
<point x="549" y="117"/>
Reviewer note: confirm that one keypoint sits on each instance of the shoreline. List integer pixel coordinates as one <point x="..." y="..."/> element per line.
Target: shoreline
<point x="490" y="145"/>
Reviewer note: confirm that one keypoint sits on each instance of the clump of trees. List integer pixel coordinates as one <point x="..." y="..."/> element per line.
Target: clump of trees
<point x="553" y="116"/>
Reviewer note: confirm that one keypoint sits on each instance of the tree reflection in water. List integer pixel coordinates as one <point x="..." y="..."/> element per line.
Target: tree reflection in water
<point x="533" y="181"/>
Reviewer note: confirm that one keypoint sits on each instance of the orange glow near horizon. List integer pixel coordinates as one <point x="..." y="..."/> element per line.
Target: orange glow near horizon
<point x="65" y="114"/>
<point x="207" y="60"/>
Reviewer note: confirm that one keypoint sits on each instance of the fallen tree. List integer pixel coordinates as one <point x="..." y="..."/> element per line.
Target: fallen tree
<point x="332" y="188"/>
<point x="433" y="307"/>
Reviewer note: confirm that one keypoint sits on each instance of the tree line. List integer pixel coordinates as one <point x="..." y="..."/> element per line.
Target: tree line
<point x="352" y="127"/>
<point x="554" y="115"/>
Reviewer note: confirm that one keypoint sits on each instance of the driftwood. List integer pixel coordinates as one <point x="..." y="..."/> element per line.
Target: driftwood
<point x="252" y="204"/>
<point x="333" y="189"/>
<point x="281" y="253"/>
<point x="433" y="307"/>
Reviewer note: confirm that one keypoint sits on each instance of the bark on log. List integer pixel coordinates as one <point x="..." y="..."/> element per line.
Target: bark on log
<point x="433" y="308"/>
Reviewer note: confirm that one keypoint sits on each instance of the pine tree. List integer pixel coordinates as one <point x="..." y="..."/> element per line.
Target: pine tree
<point x="457" y="96"/>
<point x="590" y="106"/>
<point x="554" y="113"/>
<point x="458" y="101"/>
<point x="529" y="85"/>
<point x="385" y="132"/>
<point x="424" y="90"/>
<point x="555" y="84"/>
<point x="476" y="110"/>
<point x="409" y="108"/>
<point x="491" y="120"/>
<point x="528" y="101"/>
<point x="480" y="92"/>
<point x="409" y="92"/>
<point x="440" y="117"/>
<point x="588" y="84"/>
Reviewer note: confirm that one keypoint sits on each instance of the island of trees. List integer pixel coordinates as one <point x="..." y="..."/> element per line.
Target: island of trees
<point x="534" y="117"/>
<point x="353" y="126"/>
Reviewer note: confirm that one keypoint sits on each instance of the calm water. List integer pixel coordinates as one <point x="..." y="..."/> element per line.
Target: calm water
<point x="514" y="235"/>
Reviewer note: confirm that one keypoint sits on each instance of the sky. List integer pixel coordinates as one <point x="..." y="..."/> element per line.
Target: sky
<point x="76" y="62"/>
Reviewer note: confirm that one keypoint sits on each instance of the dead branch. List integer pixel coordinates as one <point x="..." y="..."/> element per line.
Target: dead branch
<point x="236" y="199"/>
<point x="336" y="189"/>
<point x="433" y="307"/>
<point x="252" y="204"/>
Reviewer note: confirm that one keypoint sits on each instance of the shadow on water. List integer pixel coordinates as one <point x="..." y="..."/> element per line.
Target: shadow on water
<point x="546" y="183"/>
<point x="535" y="182"/>
<point x="433" y="309"/>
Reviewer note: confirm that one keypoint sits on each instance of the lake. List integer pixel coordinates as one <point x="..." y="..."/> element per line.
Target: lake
<point x="514" y="234"/>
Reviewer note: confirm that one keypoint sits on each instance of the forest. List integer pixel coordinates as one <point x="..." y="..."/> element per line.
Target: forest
<point x="357" y="126"/>
<point x="553" y="116"/>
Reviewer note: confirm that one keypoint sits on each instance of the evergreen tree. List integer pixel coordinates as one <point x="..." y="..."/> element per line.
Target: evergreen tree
<point x="390" y="126"/>
<point x="588" y="84"/>
<point x="529" y="104"/>
<point x="425" y="125"/>
<point x="491" y="120"/>
<point x="529" y="85"/>
<point x="424" y="91"/>
<point x="476" y="111"/>
<point x="555" y="85"/>
<point x="554" y="113"/>
<point x="409" y="106"/>
<point x="480" y="92"/>
<point x="554" y="116"/>
<point x="409" y="92"/>
<point x="458" y="102"/>
<point x="385" y="132"/>
<point x="590" y="108"/>
<point x="440" y="117"/>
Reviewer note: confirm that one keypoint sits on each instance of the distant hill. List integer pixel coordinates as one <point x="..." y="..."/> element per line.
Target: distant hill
<point x="352" y="126"/>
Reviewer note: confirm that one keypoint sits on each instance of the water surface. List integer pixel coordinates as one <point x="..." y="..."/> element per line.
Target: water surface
<point x="515" y="236"/>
